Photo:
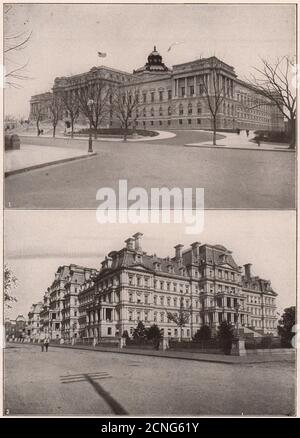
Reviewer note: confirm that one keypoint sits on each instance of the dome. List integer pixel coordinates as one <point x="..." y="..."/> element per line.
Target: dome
<point x="154" y="64"/>
<point x="154" y="58"/>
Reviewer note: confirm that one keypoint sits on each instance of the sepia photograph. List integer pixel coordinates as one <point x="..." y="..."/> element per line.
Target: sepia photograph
<point x="149" y="212"/>
<point x="193" y="95"/>
<point x="116" y="320"/>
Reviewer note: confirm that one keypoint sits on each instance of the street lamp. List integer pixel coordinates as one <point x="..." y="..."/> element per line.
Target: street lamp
<point x="90" y="104"/>
<point x="237" y="307"/>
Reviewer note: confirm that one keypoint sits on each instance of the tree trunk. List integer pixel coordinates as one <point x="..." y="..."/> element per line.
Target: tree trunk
<point x="38" y="127"/>
<point x="292" y="133"/>
<point x="72" y="127"/>
<point x="95" y="132"/>
<point x="54" y="129"/>
<point x="214" y="131"/>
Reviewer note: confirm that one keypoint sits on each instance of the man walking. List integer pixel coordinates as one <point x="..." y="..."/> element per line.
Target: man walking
<point x="46" y="342"/>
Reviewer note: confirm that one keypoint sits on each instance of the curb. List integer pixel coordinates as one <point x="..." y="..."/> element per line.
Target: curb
<point x="50" y="163"/>
<point x="152" y="354"/>
<point x="208" y="146"/>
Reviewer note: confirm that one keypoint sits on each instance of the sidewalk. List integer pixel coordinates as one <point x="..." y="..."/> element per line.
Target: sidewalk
<point x="184" y="355"/>
<point x="241" y="141"/>
<point x="32" y="156"/>
<point x="161" y="136"/>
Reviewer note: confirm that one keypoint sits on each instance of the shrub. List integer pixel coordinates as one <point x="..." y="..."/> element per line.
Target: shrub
<point x="225" y="335"/>
<point x="203" y="334"/>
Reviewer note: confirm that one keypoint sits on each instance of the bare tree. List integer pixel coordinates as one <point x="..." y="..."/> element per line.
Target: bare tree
<point x="93" y="101"/>
<point x="214" y="93"/>
<point x="181" y="318"/>
<point x="275" y="82"/>
<point x="55" y="110"/>
<point x="70" y="102"/>
<point x="14" y="43"/>
<point x="38" y="118"/>
<point x="10" y="282"/>
<point x="125" y="106"/>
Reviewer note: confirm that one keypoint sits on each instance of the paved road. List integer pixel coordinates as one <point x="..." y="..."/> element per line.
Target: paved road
<point x="64" y="382"/>
<point x="231" y="178"/>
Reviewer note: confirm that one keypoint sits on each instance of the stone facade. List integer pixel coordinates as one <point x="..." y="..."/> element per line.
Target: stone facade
<point x="177" y="98"/>
<point x="204" y="280"/>
<point x="34" y="325"/>
<point x="59" y="314"/>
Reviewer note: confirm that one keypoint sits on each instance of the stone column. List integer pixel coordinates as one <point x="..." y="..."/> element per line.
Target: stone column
<point x="185" y="87"/>
<point x="195" y="83"/>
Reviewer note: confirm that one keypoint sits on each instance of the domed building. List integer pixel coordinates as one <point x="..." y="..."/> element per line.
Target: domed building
<point x="171" y="98"/>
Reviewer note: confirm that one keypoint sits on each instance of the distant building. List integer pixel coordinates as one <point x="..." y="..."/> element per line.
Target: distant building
<point x="34" y="326"/>
<point x="15" y="329"/>
<point x="175" y="98"/>
<point x="203" y="280"/>
<point x="59" y="312"/>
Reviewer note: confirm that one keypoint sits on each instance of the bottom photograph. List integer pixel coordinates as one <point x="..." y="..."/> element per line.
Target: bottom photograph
<point x="147" y="320"/>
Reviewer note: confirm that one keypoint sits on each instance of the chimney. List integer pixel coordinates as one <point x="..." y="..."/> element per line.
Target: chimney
<point x="195" y="247"/>
<point x="130" y="243"/>
<point x="248" y="270"/>
<point x="178" y="251"/>
<point x="137" y="239"/>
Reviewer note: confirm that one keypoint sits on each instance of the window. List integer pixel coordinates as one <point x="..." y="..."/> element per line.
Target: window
<point x="169" y="122"/>
<point x="161" y="95"/>
<point x="130" y="315"/>
<point x="146" y="299"/>
<point x="109" y="330"/>
<point x="155" y="316"/>
<point x="201" y="89"/>
<point x="162" y="317"/>
<point x="144" y="97"/>
<point x="146" y="316"/>
<point x="152" y="112"/>
<point x="192" y="90"/>
<point x="199" y="121"/>
<point x="190" y="108"/>
<point x="152" y="96"/>
<point x="180" y="109"/>
<point x="160" y="111"/>
<point x="199" y="108"/>
<point x="189" y="121"/>
<point x="130" y="297"/>
<point x="130" y="280"/>
<point x="180" y="121"/>
<point x="162" y="301"/>
<point x="169" y="94"/>
<point x="182" y="91"/>
<point x="155" y="299"/>
<point x="169" y="111"/>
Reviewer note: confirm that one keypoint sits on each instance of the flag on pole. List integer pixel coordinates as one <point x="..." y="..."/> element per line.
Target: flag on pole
<point x="174" y="44"/>
<point x="102" y="54"/>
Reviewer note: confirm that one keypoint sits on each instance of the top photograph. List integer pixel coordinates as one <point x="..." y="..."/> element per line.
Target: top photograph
<point x="113" y="103"/>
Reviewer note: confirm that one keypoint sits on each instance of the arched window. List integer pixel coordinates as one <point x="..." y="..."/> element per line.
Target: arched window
<point x="181" y="109"/>
<point x="190" y="108"/>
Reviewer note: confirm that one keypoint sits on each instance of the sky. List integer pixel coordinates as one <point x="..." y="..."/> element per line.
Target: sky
<point x="66" y="38"/>
<point x="37" y="242"/>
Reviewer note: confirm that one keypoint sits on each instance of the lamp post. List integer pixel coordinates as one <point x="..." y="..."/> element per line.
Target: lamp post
<point x="90" y="104"/>
<point x="237" y="308"/>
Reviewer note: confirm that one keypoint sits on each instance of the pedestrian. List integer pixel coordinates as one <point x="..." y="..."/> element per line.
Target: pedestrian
<point x="42" y="340"/>
<point x="247" y="132"/>
<point x="46" y="342"/>
<point x="258" y="141"/>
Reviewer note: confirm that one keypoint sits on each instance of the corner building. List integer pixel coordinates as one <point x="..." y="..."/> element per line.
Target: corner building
<point x="175" y="98"/>
<point x="133" y="286"/>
